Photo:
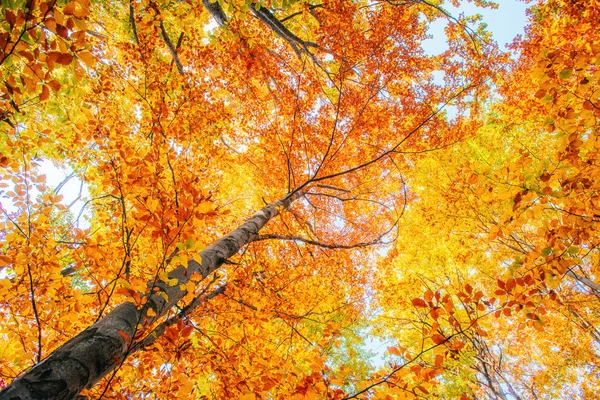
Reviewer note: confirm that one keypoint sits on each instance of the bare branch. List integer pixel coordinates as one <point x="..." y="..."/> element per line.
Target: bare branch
<point x="310" y="7"/>
<point x="317" y="243"/>
<point x="172" y="49"/>
<point x="132" y="22"/>
<point x="160" y="329"/>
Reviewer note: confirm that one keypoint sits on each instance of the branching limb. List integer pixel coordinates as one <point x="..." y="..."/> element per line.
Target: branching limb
<point x="468" y="31"/>
<point x="310" y="8"/>
<point x="172" y="48"/>
<point x="317" y="243"/>
<point x="332" y="188"/>
<point x="157" y="332"/>
<point x="280" y="30"/>
<point x="594" y="287"/>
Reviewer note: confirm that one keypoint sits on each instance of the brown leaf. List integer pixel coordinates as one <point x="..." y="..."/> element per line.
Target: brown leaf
<point x="45" y="93"/>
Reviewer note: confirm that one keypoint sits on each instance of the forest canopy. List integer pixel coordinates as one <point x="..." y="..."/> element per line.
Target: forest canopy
<point x="272" y="191"/>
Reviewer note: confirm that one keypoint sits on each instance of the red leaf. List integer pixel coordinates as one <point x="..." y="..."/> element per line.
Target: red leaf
<point x="124" y="335"/>
<point x="185" y="332"/>
<point x="418" y="302"/>
<point x="45" y="93"/>
<point x="469" y="288"/>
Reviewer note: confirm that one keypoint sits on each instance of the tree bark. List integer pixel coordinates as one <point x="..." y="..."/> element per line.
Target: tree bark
<point x="216" y="12"/>
<point x="88" y="357"/>
<point x="594" y="287"/>
<point x="586" y="325"/>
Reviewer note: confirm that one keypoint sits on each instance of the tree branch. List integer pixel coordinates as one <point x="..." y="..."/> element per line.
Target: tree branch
<point x="310" y="7"/>
<point x="216" y="12"/>
<point x="280" y="30"/>
<point x="317" y="243"/>
<point x="172" y="49"/>
<point x="132" y="22"/>
<point x="160" y="329"/>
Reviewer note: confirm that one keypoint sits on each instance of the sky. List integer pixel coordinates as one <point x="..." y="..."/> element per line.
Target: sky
<point x="505" y="23"/>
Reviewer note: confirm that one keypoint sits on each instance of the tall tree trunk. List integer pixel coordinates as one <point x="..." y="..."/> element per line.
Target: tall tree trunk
<point x="88" y="357"/>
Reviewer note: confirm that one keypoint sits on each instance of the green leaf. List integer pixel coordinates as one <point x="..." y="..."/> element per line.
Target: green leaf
<point x="565" y="74"/>
<point x="547" y="98"/>
<point x="573" y="250"/>
<point x="547" y="251"/>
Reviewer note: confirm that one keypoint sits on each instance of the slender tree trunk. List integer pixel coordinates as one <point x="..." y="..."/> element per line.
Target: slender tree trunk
<point x="492" y="381"/>
<point x="594" y="287"/>
<point x="88" y="357"/>
<point x="586" y="325"/>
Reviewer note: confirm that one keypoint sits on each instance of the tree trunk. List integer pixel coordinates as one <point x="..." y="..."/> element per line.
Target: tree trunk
<point x="88" y="357"/>
<point x="594" y="287"/>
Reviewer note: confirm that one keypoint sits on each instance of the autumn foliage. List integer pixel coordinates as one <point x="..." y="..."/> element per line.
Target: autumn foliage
<point x="418" y="225"/>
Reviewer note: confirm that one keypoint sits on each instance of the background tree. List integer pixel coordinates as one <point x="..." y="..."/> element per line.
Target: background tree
<point x="508" y="219"/>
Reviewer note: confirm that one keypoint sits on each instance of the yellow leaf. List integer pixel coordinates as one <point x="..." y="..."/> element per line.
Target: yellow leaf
<point x="124" y="283"/>
<point x="151" y="260"/>
<point x="173" y="282"/>
<point x="204" y="207"/>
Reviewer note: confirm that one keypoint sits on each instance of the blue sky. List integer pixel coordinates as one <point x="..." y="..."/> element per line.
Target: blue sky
<point x="505" y="22"/>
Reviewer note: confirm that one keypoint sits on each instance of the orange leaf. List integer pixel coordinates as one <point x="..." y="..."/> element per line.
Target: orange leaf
<point x="422" y="389"/>
<point x="457" y="345"/>
<point x="87" y="58"/>
<point x="45" y="93"/>
<point x="124" y="335"/>
<point x="428" y="295"/>
<point x="439" y="359"/>
<point x="438" y="339"/>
